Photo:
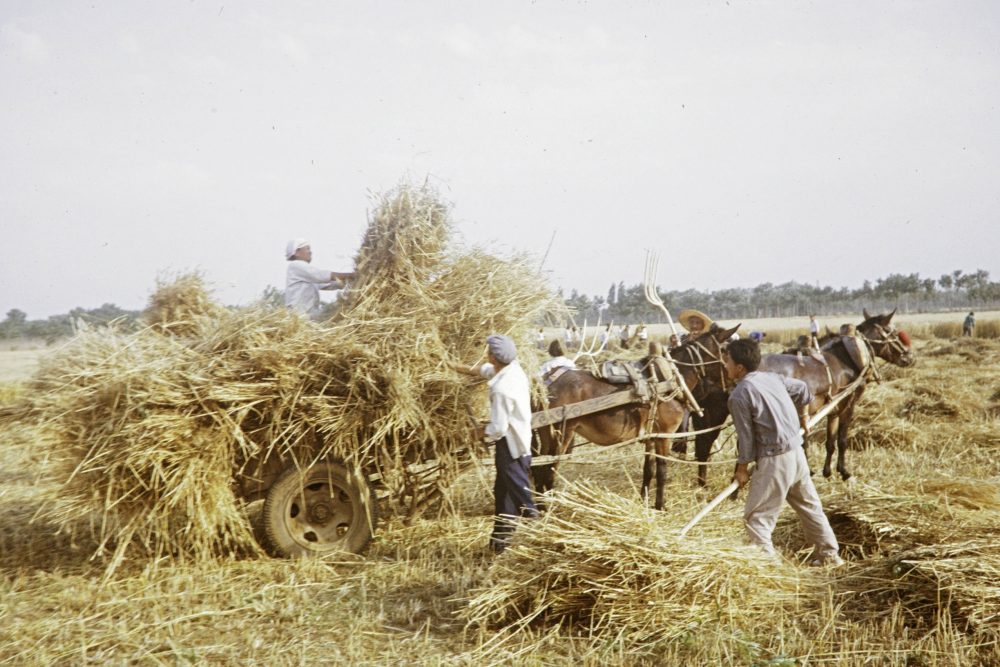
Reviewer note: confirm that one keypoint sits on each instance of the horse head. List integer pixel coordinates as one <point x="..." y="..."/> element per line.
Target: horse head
<point x="701" y="355"/>
<point x="886" y="341"/>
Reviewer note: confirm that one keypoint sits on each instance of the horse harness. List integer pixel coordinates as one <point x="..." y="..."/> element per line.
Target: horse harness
<point x="698" y="362"/>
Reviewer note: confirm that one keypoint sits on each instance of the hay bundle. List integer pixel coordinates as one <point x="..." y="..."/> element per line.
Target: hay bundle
<point x="177" y="302"/>
<point x="123" y="421"/>
<point x="150" y="429"/>
<point x="940" y="542"/>
<point x="904" y="513"/>
<point x="607" y="564"/>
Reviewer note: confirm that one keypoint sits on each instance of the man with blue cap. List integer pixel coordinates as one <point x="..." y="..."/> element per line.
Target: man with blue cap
<point x="509" y="429"/>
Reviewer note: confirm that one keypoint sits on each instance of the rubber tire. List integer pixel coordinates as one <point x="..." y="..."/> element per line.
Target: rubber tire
<point x="300" y="521"/>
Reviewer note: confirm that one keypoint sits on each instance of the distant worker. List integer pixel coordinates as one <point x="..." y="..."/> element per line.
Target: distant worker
<point x="643" y="334"/>
<point x="767" y="410"/>
<point x="814" y="331"/>
<point x="540" y="339"/>
<point x="624" y="336"/>
<point x="549" y="371"/>
<point x="605" y="335"/>
<point x="568" y="337"/>
<point x="509" y="429"/>
<point x="303" y="281"/>
<point x="969" y="325"/>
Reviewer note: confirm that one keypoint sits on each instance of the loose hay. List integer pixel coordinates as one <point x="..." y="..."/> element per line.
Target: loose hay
<point x="934" y="544"/>
<point x="178" y="302"/>
<point x="607" y="565"/>
<point x="148" y="431"/>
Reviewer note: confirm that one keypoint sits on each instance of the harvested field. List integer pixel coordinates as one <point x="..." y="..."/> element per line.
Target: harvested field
<point x="602" y="585"/>
<point x="601" y="579"/>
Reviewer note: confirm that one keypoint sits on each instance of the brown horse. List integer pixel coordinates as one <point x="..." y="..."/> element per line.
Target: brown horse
<point x="606" y="427"/>
<point x="847" y="359"/>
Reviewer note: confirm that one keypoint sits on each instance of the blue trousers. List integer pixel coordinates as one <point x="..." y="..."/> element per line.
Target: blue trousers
<point x="511" y="493"/>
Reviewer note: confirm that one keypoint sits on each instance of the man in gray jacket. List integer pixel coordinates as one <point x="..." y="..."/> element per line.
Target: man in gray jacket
<point x="763" y="407"/>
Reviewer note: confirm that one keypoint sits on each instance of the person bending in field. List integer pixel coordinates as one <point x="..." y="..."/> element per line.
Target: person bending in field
<point x="303" y="282"/>
<point x="763" y="408"/>
<point x="509" y="429"/>
<point x="969" y="324"/>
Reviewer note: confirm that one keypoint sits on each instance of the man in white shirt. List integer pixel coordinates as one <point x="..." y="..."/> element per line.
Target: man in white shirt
<point x="557" y="360"/>
<point x="303" y="281"/>
<point x="509" y="429"/>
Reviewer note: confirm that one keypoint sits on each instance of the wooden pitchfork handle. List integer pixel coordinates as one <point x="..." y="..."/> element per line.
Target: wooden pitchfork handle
<point x="708" y="508"/>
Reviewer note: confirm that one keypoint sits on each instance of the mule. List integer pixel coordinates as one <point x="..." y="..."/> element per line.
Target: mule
<point x="699" y="360"/>
<point x="847" y="359"/>
<point x="606" y="427"/>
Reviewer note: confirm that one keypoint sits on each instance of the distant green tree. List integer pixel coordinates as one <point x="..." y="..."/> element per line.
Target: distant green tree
<point x="14" y="324"/>
<point x="272" y="297"/>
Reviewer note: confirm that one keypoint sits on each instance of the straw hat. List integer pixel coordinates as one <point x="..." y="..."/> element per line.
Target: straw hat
<point x="685" y="315"/>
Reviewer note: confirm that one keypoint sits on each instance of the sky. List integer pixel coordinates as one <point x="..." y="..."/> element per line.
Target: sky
<point x="745" y="142"/>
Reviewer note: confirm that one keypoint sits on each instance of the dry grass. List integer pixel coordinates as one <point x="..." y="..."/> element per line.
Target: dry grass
<point x="600" y="578"/>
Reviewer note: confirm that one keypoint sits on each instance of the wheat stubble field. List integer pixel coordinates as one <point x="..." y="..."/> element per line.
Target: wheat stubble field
<point x="599" y="580"/>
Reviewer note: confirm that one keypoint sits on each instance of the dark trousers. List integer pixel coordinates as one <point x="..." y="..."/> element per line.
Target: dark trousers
<point x="512" y="494"/>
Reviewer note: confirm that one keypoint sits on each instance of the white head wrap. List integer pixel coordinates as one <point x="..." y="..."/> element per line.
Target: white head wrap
<point x="293" y="246"/>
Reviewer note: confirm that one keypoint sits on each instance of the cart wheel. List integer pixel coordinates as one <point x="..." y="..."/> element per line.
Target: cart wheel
<point x="322" y="509"/>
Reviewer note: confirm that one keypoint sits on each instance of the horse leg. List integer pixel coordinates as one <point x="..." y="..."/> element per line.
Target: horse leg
<point x="832" y="423"/>
<point x="702" y="448"/>
<point x="716" y="412"/>
<point x="661" y="471"/>
<point x="647" y="471"/>
<point x="550" y="442"/>
<point x="680" y="447"/>
<point x="543" y="443"/>
<point x="845" y="423"/>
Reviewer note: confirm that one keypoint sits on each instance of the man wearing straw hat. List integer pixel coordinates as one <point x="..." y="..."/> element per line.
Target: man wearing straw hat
<point x="695" y="321"/>
<point x="509" y="429"/>
<point x="763" y="408"/>
<point x="303" y="281"/>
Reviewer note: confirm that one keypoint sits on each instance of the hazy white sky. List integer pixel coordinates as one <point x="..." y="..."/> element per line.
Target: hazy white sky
<point x="746" y="141"/>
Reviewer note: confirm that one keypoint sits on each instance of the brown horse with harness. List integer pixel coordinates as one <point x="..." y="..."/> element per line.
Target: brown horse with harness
<point x="698" y="364"/>
<point x="660" y="410"/>
<point x="845" y="361"/>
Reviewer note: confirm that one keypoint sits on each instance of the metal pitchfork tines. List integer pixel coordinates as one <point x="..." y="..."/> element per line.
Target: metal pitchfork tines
<point x="653" y="297"/>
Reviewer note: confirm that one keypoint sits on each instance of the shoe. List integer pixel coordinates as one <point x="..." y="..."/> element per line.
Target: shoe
<point x="832" y="561"/>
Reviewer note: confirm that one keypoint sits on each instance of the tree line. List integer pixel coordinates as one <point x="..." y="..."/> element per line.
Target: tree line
<point x="908" y="293"/>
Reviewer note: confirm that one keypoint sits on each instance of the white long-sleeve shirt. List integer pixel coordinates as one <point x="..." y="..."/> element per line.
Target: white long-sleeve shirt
<point x="556" y="362"/>
<point x="302" y="286"/>
<point x="510" y="407"/>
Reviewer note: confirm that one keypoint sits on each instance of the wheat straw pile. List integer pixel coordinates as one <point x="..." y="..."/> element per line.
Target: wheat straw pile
<point x="929" y="544"/>
<point x="605" y="564"/>
<point x="178" y="302"/>
<point x="147" y="430"/>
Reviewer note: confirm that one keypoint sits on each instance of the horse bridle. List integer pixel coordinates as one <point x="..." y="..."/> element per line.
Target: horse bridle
<point x="887" y="337"/>
<point x="695" y="349"/>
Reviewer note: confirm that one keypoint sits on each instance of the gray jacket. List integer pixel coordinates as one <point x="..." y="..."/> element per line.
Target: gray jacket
<point x="765" y="415"/>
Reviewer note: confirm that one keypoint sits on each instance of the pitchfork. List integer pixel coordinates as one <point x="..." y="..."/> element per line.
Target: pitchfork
<point x="653" y="297"/>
